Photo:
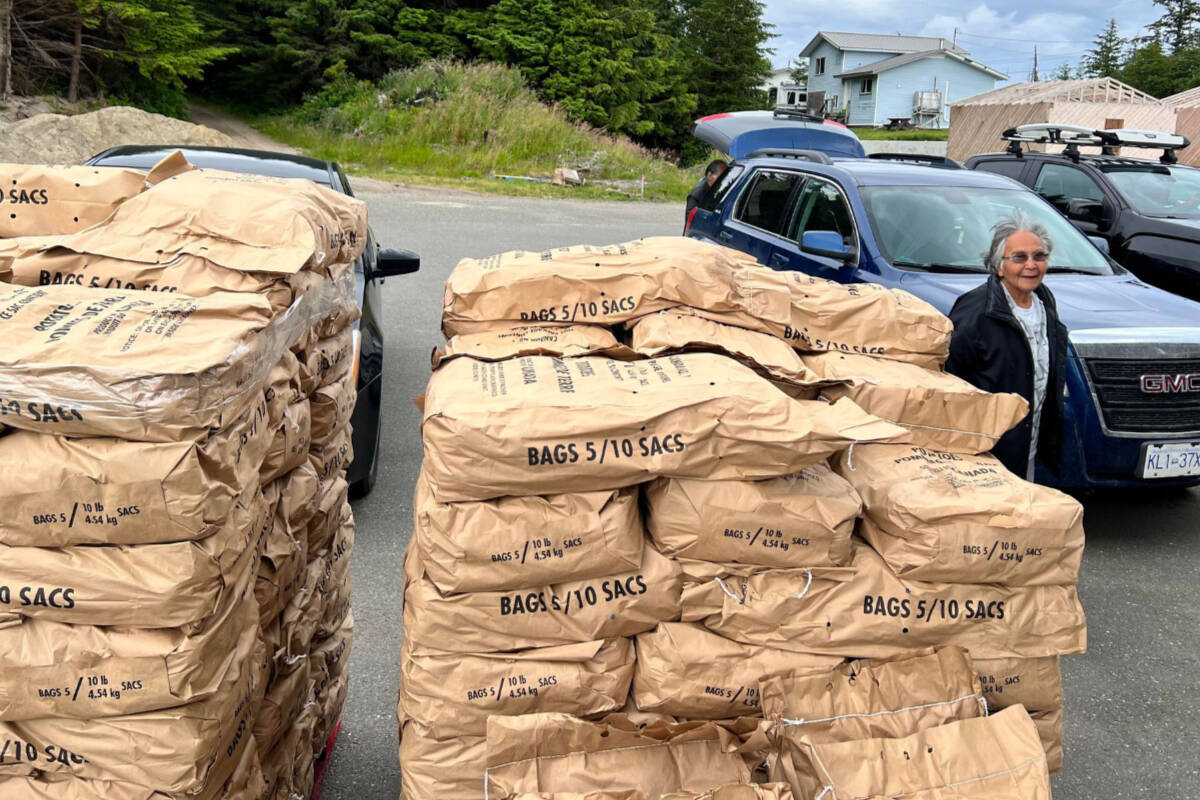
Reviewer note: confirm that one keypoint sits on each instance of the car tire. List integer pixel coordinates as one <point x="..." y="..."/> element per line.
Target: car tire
<point x="364" y="486"/>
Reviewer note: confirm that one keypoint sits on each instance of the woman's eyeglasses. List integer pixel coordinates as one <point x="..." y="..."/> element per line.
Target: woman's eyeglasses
<point x="1041" y="257"/>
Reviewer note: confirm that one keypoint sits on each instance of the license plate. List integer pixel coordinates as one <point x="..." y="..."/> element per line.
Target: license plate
<point x="1172" y="460"/>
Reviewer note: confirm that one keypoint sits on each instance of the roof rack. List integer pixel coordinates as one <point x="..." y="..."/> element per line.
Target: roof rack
<point x="1075" y="136"/>
<point x="815" y="156"/>
<point x="795" y="113"/>
<point x="940" y="162"/>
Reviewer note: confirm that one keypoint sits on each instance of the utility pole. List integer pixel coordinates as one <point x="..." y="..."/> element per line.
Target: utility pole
<point x="1034" y="77"/>
<point x="955" y="37"/>
<point x="5" y="49"/>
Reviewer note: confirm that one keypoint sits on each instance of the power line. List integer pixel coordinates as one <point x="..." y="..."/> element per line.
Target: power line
<point x="1026" y="41"/>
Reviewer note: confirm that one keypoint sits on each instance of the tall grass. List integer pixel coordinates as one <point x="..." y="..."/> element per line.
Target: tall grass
<point x="469" y="122"/>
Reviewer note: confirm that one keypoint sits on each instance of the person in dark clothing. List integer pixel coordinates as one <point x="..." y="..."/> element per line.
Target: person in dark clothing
<point x="1008" y="338"/>
<point x="714" y="170"/>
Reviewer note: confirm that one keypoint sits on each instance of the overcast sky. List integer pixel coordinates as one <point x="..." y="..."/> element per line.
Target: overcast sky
<point x="1002" y="36"/>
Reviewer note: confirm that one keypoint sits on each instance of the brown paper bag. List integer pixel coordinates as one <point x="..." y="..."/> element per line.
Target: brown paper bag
<point x="61" y="491"/>
<point x="687" y="671"/>
<point x="730" y="791"/>
<point x="51" y="669"/>
<point x="295" y="498"/>
<point x="448" y="769"/>
<point x="545" y="339"/>
<point x="167" y="585"/>
<point x="802" y="519"/>
<point x="560" y="753"/>
<point x="682" y="329"/>
<point x="609" y="285"/>
<point x="60" y="263"/>
<point x="333" y="590"/>
<point x="331" y="407"/>
<point x="574" y="611"/>
<point x="516" y="542"/>
<point x="871" y="699"/>
<point x="963" y="519"/>
<point x="42" y="200"/>
<point x="299" y="621"/>
<point x="1035" y="683"/>
<point x="940" y="411"/>
<point x="865" y="610"/>
<point x="985" y="758"/>
<point x="332" y="456"/>
<point x="453" y="694"/>
<point x="284" y="699"/>
<point x="239" y="221"/>
<point x="289" y="445"/>
<point x="539" y="425"/>
<point x="331" y="510"/>
<point x="11" y="249"/>
<point x="326" y="359"/>
<point x="328" y="659"/>
<point x="289" y="766"/>
<point x="281" y="569"/>
<point x="135" y="365"/>
<point x="245" y="783"/>
<point x="183" y="749"/>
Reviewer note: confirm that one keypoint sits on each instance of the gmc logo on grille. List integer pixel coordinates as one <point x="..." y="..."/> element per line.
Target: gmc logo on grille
<point x="1168" y="384"/>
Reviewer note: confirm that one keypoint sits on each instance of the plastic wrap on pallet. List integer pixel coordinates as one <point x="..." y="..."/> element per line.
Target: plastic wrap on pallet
<point x="110" y="392"/>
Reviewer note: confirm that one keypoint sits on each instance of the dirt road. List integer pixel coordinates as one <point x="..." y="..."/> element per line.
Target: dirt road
<point x="241" y="133"/>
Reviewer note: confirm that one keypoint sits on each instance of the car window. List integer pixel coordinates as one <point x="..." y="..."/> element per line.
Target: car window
<point x="718" y="191"/>
<point x="949" y="228"/>
<point x="1159" y="190"/>
<point x="765" y="200"/>
<point x="1060" y="183"/>
<point x="1009" y="169"/>
<point x="822" y="207"/>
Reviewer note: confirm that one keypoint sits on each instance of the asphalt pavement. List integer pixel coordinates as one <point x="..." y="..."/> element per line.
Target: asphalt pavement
<point x="1133" y="701"/>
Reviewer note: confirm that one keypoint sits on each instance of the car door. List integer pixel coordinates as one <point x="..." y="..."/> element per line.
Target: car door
<point x="1061" y="183"/>
<point x="760" y="214"/>
<point x="821" y="205"/>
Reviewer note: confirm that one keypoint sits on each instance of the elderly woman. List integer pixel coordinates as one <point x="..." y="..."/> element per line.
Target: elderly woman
<point x="1008" y="338"/>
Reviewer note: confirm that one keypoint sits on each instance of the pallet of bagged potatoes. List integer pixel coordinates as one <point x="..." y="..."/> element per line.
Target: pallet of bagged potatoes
<point x="175" y="395"/>
<point x="687" y="527"/>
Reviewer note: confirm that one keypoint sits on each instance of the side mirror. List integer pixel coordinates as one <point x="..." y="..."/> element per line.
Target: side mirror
<point x="826" y="243"/>
<point x="1100" y="242"/>
<point x="1085" y="210"/>
<point x="395" y="262"/>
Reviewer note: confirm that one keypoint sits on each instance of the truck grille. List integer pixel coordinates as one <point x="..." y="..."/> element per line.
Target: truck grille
<point x="1125" y="407"/>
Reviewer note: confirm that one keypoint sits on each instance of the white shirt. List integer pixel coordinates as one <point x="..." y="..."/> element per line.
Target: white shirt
<point x="1033" y="322"/>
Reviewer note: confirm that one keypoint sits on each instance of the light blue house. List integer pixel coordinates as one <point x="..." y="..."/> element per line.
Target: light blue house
<point x="876" y="78"/>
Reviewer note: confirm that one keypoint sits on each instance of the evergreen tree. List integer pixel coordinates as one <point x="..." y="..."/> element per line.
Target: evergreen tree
<point x="726" y="42"/>
<point x="1177" y="29"/>
<point x="603" y="61"/>
<point x="1063" y="72"/>
<point x="1107" y="53"/>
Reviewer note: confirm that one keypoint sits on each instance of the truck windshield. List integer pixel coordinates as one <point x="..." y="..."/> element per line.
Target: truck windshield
<point x="949" y="228"/>
<point x="1159" y="191"/>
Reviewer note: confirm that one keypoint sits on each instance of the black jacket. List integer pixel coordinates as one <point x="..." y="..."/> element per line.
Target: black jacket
<point x="696" y="196"/>
<point x="989" y="349"/>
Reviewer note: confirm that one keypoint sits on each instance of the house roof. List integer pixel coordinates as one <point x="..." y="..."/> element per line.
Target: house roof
<point x="898" y="61"/>
<point x="1084" y="90"/>
<point x="879" y="43"/>
<point x="1187" y="99"/>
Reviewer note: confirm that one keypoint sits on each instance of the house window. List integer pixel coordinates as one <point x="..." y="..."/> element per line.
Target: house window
<point x="868" y="85"/>
<point x="791" y="101"/>
<point x="819" y="69"/>
<point x="772" y="96"/>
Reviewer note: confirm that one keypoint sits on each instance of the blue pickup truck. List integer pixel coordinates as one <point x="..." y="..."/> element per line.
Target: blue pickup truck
<point x="1132" y="398"/>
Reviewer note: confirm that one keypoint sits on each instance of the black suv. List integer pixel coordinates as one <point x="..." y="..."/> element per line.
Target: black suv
<point x="1146" y="211"/>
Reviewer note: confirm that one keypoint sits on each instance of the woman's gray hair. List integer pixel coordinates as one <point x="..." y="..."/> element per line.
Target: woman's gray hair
<point x="1005" y="228"/>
